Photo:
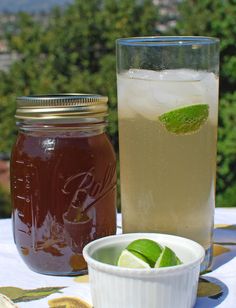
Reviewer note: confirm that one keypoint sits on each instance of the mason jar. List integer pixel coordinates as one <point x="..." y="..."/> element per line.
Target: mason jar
<point x="63" y="180"/>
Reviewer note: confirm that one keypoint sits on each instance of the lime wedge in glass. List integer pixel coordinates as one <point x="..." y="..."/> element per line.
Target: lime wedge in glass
<point x="167" y="258"/>
<point x="185" y="120"/>
<point x="132" y="260"/>
<point x="147" y="248"/>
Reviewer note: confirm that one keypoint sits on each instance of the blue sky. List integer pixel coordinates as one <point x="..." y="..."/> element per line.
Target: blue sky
<point x="14" y="6"/>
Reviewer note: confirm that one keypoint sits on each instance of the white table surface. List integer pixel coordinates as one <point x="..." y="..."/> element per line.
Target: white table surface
<point x="14" y="273"/>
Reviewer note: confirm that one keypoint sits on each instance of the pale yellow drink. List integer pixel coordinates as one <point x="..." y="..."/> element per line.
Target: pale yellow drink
<point x="167" y="180"/>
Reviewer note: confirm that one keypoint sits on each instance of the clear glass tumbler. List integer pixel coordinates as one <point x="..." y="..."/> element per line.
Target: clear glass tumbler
<point x="168" y="111"/>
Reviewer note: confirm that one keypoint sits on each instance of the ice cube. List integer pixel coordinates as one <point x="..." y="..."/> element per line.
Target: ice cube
<point x="151" y="93"/>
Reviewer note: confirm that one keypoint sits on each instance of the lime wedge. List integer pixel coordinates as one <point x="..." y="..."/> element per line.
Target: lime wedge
<point x="178" y="261"/>
<point x="185" y="120"/>
<point x="132" y="260"/>
<point x="167" y="258"/>
<point x="147" y="248"/>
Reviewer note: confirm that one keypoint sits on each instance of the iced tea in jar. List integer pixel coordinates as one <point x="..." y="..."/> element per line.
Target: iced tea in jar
<point x="63" y="180"/>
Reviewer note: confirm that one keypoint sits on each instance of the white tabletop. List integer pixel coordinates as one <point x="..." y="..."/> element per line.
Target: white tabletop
<point x="217" y="288"/>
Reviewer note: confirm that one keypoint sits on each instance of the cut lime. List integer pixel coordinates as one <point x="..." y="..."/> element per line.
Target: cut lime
<point x="147" y="248"/>
<point x="167" y="258"/>
<point x="132" y="260"/>
<point x="178" y="261"/>
<point x="185" y="120"/>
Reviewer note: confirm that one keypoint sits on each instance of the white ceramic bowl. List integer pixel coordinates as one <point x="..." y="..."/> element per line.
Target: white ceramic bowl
<point x="117" y="287"/>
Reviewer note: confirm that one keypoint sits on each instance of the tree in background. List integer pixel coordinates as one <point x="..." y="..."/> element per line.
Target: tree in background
<point x="73" y="52"/>
<point x="217" y="18"/>
<point x="5" y="205"/>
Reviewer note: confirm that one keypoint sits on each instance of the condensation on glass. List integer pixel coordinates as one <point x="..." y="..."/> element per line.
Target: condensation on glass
<point x="63" y="180"/>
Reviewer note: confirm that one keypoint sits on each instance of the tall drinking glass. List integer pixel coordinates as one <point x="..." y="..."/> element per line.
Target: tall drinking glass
<point x="168" y="110"/>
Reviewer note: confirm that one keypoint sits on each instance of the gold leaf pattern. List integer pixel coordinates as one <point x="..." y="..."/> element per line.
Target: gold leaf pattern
<point x="77" y="262"/>
<point x="82" y="279"/>
<point x="225" y="226"/>
<point x="219" y="250"/>
<point x="208" y="289"/>
<point x="68" y="302"/>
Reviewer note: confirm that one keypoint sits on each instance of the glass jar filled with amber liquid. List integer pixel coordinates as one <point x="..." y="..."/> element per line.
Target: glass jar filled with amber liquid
<point x="63" y="180"/>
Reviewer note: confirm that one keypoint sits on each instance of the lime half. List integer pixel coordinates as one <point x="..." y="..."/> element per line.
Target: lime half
<point x="167" y="258"/>
<point x="147" y="248"/>
<point x="185" y="120"/>
<point x="132" y="260"/>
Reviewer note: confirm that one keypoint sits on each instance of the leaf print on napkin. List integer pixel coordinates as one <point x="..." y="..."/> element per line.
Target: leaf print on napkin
<point x="209" y="289"/>
<point x="82" y="279"/>
<point x="21" y="295"/>
<point x="12" y="292"/>
<point x="225" y="243"/>
<point x="219" y="250"/>
<point x="225" y="227"/>
<point x="68" y="302"/>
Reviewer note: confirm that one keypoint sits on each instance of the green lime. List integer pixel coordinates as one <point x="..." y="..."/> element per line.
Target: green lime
<point x="132" y="260"/>
<point x="178" y="261"/>
<point x="185" y="120"/>
<point x="167" y="258"/>
<point x="149" y="249"/>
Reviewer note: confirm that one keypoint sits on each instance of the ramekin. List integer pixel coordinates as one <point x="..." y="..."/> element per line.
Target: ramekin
<point x="167" y="287"/>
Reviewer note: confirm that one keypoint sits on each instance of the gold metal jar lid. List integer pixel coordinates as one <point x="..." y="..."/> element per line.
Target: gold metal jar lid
<point x="61" y="106"/>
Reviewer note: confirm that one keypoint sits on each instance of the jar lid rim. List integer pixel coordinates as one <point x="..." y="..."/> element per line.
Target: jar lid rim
<point x="62" y="105"/>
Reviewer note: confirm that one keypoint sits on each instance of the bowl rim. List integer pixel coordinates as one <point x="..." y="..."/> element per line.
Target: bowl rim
<point x="90" y="248"/>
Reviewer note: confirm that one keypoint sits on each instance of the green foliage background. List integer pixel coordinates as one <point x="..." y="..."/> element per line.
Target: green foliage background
<point x="217" y="18"/>
<point x="74" y="51"/>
